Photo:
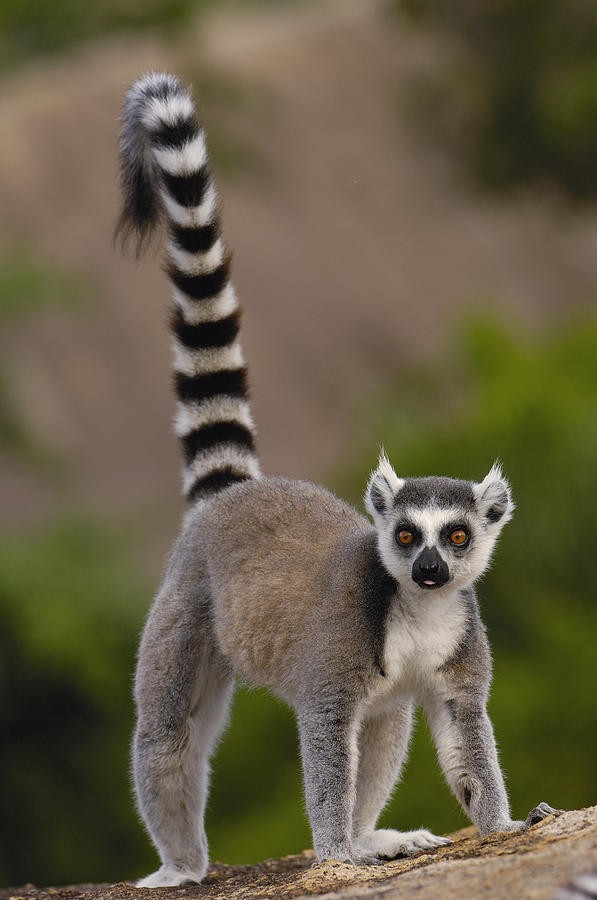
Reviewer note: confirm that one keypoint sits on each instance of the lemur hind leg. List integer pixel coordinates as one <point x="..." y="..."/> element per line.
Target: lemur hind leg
<point x="383" y="746"/>
<point x="183" y="695"/>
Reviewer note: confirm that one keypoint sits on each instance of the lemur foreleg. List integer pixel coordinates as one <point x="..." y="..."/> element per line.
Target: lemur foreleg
<point x="468" y="756"/>
<point x="383" y="747"/>
<point x="329" y="751"/>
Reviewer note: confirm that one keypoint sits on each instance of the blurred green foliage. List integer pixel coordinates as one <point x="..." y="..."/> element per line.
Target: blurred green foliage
<point x="69" y="614"/>
<point x="31" y="27"/>
<point x="28" y="283"/>
<point x="519" y="93"/>
<point x="71" y="606"/>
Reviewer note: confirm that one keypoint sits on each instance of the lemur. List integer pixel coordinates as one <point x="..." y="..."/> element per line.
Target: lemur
<point x="281" y="583"/>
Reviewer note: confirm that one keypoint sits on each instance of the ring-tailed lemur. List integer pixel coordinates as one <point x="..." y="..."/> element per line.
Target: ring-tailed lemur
<point x="284" y="584"/>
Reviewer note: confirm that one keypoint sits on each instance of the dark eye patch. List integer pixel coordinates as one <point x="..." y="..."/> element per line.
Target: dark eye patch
<point x="407" y="526"/>
<point x="449" y="529"/>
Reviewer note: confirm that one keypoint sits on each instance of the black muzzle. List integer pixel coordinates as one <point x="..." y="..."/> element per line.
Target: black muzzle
<point x="430" y="570"/>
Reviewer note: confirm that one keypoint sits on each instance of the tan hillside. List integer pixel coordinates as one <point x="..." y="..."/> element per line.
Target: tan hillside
<point x="357" y="247"/>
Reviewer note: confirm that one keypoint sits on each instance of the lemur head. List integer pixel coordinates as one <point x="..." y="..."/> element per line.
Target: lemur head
<point x="434" y="532"/>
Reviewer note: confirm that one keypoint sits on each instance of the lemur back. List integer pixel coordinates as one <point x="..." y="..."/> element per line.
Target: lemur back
<point x="351" y="623"/>
<point x="166" y="178"/>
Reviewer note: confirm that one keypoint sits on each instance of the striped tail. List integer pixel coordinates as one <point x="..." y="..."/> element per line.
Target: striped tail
<point x="165" y="176"/>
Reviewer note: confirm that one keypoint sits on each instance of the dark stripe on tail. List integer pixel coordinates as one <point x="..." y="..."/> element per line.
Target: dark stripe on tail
<point x="204" y="286"/>
<point x="187" y="190"/>
<point x="219" y="333"/>
<point x="174" y="136"/>
<point x="195" y="240"/>
<point x="209" y="436"/>
<point x="215" y="481"/>
<point x="228" y="382"/>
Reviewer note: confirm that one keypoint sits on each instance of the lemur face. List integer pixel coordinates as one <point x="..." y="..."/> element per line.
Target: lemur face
<point x="434" y="532"/>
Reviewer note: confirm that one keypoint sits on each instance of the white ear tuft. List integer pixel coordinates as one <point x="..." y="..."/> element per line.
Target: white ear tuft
<point x="494" y="496"/>
<point x="383" y="486"/>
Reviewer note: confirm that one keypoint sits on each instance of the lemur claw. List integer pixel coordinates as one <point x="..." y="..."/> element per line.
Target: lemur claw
<point x="538" y="813"/>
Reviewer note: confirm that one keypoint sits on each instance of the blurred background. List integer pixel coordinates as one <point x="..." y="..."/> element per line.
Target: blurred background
<point x="410" y="191"/>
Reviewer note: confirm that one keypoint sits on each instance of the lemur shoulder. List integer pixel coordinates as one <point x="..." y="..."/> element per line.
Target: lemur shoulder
<point x="351" y="623"/>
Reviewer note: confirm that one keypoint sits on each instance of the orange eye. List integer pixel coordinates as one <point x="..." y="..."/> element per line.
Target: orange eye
<point x="405" y="537"/>
<point x="459" y="537"/>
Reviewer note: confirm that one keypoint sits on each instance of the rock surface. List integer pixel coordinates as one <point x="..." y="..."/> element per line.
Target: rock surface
<point x="536" y="864"/>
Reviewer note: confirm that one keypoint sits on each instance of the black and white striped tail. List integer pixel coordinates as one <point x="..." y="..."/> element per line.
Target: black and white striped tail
<point x="165" y="177"/>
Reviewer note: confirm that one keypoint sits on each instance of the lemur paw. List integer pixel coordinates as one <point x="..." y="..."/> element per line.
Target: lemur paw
<point x="386" y="843"/>
<point x="538" y="813"/>
<point x="167" y="876"/>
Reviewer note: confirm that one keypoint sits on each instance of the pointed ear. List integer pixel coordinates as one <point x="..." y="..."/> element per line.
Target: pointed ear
<point x="494" y="497"/>
<point x="383" y="486"/>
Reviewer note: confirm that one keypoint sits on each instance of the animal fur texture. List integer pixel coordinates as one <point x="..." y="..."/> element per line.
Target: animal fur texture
<point x="279" y="581"/>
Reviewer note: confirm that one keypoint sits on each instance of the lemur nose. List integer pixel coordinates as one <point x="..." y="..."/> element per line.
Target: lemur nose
<point x="429" y="569"/>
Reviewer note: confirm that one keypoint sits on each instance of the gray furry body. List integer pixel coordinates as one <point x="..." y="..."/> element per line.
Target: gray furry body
<point x="351" y="624"/>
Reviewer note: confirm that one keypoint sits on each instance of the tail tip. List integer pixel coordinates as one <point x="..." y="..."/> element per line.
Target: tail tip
<point x="153" y="96"/>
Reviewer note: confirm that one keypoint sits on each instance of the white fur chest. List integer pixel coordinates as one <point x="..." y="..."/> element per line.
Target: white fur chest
<point x="421" y="634"/>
